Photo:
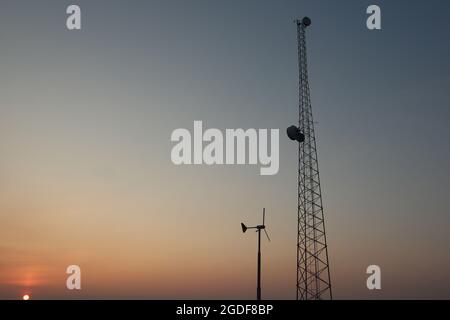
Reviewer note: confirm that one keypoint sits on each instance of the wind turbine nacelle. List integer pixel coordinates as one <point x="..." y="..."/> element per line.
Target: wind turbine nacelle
<point x="244" y="227"/>
<point x="295" y="134"/>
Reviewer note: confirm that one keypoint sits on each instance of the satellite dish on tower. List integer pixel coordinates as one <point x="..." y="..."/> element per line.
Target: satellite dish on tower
<point x="306" y="21"/>
<point x="294" y="134"/>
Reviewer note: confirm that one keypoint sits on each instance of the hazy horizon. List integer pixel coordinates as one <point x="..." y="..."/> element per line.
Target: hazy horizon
<point x="85" y="124"/>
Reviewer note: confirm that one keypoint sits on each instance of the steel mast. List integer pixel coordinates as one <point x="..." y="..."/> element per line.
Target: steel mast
<point x="313" y="272"/>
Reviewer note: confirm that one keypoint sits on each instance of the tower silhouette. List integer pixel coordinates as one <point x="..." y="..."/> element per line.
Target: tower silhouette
<point x="313" y="272"/>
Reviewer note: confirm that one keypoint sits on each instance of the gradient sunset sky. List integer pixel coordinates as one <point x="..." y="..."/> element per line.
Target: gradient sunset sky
<point x="85" y="122"/>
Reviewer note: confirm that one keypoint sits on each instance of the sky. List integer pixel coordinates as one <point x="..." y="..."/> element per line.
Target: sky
<point x="86" y="118"/>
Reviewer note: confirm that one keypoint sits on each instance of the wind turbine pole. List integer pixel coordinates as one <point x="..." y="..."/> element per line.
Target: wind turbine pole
<point x="258" y="287"/>
<point x="258" y="271"/>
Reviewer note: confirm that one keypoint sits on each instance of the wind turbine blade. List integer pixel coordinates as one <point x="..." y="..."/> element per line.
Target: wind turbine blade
<point x="264" y="216"/>
<point x="267" y="235"/>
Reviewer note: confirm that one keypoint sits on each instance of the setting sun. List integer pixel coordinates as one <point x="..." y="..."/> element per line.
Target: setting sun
<point x="26" y="297"/>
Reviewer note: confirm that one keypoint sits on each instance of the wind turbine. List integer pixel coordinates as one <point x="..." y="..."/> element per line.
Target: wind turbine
<point x="258" y="229"/>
